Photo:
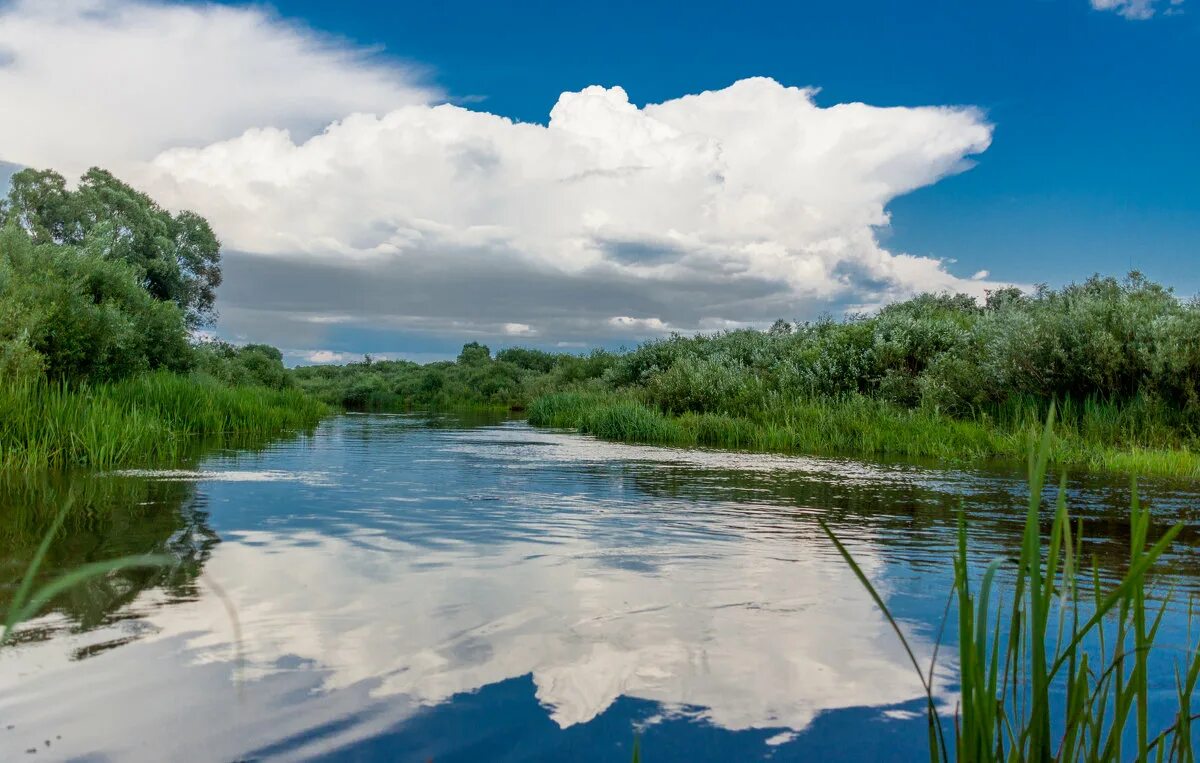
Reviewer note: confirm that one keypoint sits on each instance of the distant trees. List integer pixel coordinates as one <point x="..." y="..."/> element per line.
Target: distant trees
<point x="1126" y="342"/>
<point x="249" y="364"/>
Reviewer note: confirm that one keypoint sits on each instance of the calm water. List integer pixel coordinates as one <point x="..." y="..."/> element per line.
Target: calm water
<point x="415" y="588"/>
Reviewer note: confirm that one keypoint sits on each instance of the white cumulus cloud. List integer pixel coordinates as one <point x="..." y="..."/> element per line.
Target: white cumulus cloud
<point x="726" y="207"/>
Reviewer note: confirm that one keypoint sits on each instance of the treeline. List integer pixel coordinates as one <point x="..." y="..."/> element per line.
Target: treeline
<point x="938" y="375"/>
<point x="1104" y="340"/>
<point x="101" y="287"/>
<point x="476" y="379"/>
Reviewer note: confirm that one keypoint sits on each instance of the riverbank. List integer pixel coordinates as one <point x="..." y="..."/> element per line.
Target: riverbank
<point x="1090" y="436"/>
<point x="143" y="420"/>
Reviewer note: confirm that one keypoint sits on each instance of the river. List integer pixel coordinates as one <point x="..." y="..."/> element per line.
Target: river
<point x="419" y="587"/>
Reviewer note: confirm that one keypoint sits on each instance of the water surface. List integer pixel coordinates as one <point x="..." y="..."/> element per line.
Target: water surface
<point x="425" y="587"/>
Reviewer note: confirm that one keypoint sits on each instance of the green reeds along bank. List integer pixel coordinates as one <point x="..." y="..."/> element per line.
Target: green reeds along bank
<point x="148" y="419"/>
<point x="1060" y="672"/>
<point x="1091" y="436"/>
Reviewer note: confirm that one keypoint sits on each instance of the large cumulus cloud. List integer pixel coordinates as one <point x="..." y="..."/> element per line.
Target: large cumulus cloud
<point x="723" y="208"/>
<point x="611" y="221"/>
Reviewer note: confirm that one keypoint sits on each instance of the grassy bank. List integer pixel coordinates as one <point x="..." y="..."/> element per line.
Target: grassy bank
<point x="1091" y="435"/>
<point x="147" y="419"/>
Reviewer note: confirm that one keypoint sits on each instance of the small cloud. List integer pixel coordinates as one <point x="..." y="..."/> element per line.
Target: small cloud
<point x="1136" y="10"/>
<point x="979" y="276"/>
<point x="518" y="329"/>
<point x="328" y="319"/>
<point x="900" y="715"/>
<point x="639" y="324"/>
<point x="328" y="356"/>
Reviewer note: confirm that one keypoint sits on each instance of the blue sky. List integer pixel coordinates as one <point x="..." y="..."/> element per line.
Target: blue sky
<point x="1095" y="164"/>
<point x="401" y="178"/>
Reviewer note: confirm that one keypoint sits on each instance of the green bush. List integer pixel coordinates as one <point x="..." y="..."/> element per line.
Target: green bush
<point x="936" y="375"/>
<point x="250" y="364"/>
<point x="85" y="317"/>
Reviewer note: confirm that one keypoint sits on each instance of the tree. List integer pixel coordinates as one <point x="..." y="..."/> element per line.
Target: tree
<point x="74" y="314"/>
<point x="474" y="353"/>
<point x="177" y="256"/>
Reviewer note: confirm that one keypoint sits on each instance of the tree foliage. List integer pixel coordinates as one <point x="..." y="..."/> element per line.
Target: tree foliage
<point x="72" y="313"/>
<point x="176" y="257"/>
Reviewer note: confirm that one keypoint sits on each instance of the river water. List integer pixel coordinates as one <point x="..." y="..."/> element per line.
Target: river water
<point x="428" y="587"/>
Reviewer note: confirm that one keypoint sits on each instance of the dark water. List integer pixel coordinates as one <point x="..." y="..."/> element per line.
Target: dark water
<point x="415" y="588"/>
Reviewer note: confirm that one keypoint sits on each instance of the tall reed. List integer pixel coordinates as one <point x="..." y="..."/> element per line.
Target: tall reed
<point x="864" y="426"/>
<point x="1064" y="676"/>
<point x="146" y="419"/>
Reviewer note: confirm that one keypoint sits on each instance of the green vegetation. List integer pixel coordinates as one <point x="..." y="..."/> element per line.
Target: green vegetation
<point x="864" y="426"/>
<point x="936" y="376"/>
<point x="475" y="380"/>
<point x="148" y="419"/>
<point x="1064" y="676"/>
<point x="100" y="291"/>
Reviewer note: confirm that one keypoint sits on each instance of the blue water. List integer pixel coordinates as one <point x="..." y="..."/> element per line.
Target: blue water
<point x="427" y="587"/>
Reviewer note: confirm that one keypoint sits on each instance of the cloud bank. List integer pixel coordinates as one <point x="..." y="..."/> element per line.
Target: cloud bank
<point x="405" y="217"/>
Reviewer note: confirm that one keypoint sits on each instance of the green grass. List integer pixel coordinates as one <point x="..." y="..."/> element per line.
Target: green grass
<point x="147" y="419"/>
<point x="1092" y="436"/>
<point x="1095" y="645"/>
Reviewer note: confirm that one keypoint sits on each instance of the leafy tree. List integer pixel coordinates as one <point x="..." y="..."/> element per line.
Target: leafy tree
<point x="177" y="257"/>
<point x="528" y="358"/>
<point x="75" y="314"/>
<point x="474" y="353"/>
<point x="250" y="364"/>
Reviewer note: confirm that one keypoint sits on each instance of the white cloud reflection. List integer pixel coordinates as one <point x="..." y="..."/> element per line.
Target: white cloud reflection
<point x="752" y="633"/>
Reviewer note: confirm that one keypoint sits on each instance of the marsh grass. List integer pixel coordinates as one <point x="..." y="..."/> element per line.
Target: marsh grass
<point x="1062" y="674"/>
<point x="1093" y="436"/>
<point x="146" y="419"/>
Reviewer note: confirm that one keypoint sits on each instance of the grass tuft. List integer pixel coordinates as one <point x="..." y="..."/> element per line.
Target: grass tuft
<point x="1096" y="649"/>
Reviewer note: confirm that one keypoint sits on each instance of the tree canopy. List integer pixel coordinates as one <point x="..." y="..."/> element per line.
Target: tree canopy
<point x="177" y="257"/>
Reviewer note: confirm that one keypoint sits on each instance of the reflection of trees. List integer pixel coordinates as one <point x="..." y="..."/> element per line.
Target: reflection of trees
<point x="911" y="514"/>
<point x="108" y="517"/>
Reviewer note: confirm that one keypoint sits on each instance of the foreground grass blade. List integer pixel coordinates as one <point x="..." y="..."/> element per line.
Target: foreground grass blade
<point x="935" y="726"/>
